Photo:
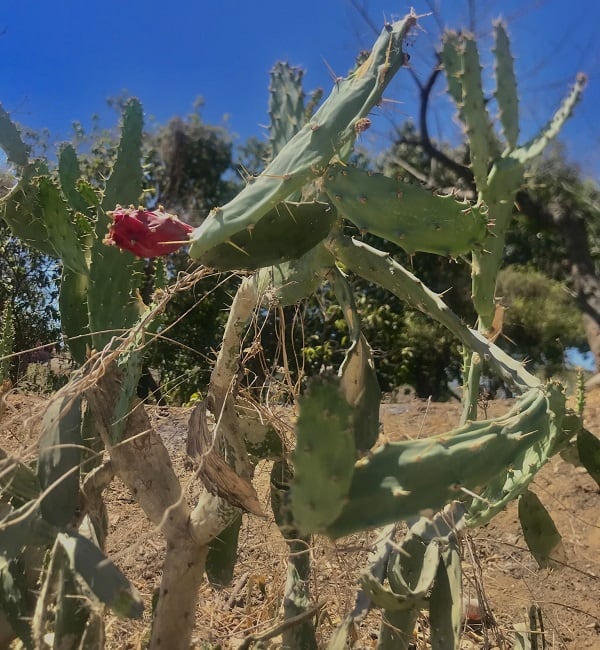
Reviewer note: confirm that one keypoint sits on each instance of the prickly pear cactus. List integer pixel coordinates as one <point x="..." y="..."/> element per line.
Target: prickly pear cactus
<point x="330" y="132"/>
<point x="66" y="219"/>
<point x="497" y="167"/>
<point x="324" y="456"/>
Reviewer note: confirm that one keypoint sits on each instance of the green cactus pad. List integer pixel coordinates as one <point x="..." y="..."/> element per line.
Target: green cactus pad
<point x="506" y="87"/>
<point x="20" y="208"/>
<point x="359" y="382"/>
<point x="80" y="195"/>
<point x="10" y="140"/>
<point x="285" y="233"/>
<point x="331" y="130"/>
<point x="324" y="456"/>
<point x="588" y="448"/>
<point x="546" y="429"/>
<point x="61" y="230"/>
<point x="451" y="57"/>
<point x="445" y="602"/>
<point x="74" y="317"/>
<point x="286" y="105"/>
<point x="112" y="303"/>
<point x="408" y="478"/>
<point x="17" y="480"/>
<point x="222" y="555"/>
<point x="101" y="576"/>
<point x="537" y="144"/>
<point x="406" y="214"/>
<point x="477" y="121"/>
<point x="124" y="185"/>
<point x="58" y="459"/>
<point x="540" y="532"/>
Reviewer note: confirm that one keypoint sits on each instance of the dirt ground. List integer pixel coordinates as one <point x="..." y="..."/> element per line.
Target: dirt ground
<point x="568" y="598"/>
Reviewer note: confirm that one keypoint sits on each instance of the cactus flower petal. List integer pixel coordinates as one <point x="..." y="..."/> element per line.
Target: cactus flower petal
<point x="146" y="233"/>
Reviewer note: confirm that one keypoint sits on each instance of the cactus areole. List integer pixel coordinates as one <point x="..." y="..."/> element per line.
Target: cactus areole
<point x="145" y="233"/>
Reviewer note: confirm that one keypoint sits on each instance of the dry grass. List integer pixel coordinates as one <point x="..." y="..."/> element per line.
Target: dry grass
<point x="495" y="561"/>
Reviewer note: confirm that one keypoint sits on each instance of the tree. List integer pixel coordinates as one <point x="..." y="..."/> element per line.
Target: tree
<point x="28" y="283"/>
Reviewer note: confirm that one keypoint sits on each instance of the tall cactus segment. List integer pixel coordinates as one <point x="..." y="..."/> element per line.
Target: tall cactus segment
<point x="405" y="214"/>
<point x="68" y="221"/>
<point x="331" y="130"/>
<point x="497" y="175"/>
<point x="286" y="105"/>
<point x="114" y="276"/>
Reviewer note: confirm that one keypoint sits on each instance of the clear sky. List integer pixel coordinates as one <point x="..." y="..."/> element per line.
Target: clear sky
<point x="61" y="59"/>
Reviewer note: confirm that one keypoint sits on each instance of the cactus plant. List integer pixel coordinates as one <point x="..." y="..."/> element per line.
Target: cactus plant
<point x="498" y="173"/>
<point x="339" y="482"/>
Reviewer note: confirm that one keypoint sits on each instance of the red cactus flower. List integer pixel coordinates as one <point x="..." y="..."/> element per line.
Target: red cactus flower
<point x="146" y="233"/>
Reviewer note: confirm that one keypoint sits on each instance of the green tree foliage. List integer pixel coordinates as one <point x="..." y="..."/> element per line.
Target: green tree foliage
<point x="186" y="163"/>
<point x="28" y="283"/>
<point x="540" y="315"/>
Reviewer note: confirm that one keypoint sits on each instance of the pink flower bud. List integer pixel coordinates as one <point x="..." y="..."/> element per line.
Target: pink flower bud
<point x="145" y="233"/>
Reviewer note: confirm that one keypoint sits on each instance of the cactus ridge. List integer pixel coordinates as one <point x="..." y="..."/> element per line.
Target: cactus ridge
<point x="324" y="455"/>
<point x="445" y="601"/>
<point x="460" y="58"/>
<point x="285" y="233"/>
<point x="406" y="214"/>
<point x="401" y="480"/>
<point x="329" y="132"/>
<point x="478" y="124"/>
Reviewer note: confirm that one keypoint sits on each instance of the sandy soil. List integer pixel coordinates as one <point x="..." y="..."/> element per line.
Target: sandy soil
<point x="568" y="598"/>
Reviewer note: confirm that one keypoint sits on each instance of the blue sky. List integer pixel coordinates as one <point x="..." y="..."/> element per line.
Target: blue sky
<point x="63" y="58"/>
